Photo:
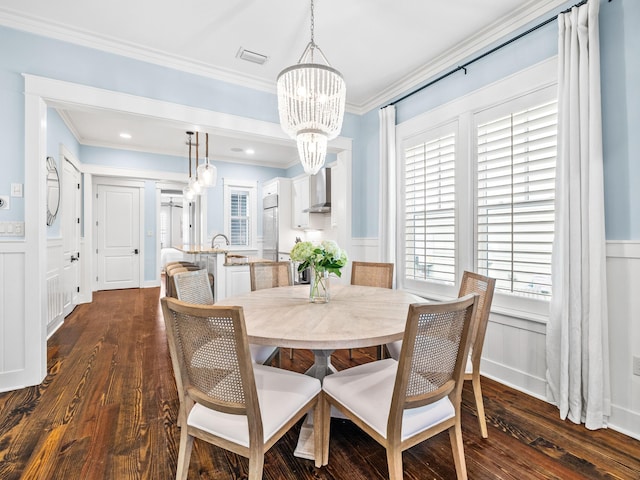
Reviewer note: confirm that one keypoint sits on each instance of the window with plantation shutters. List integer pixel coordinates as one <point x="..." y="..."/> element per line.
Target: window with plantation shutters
<point x="239" y="218"/>
<point x="240" y="213"/>
<point x="429" y="209"/>
<point x="516" y="159"/>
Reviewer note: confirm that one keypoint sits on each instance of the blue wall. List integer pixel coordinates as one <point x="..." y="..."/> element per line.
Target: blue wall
<point x="57" y="134"/>
<point x="620" y="43"/>
<point x="620" y="75"/>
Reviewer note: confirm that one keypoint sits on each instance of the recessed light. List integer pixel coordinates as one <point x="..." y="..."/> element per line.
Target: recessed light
<point x="249" y="151"/>
<point x="125" y="135"/>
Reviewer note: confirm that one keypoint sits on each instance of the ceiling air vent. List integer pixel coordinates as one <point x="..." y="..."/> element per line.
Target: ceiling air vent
<point x="250" y="56"/>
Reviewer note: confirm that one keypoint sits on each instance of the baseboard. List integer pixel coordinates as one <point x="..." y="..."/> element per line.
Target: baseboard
<point x="625" y="421"/>
<point x="516" y="379"/>
<point x="151" y="283"/>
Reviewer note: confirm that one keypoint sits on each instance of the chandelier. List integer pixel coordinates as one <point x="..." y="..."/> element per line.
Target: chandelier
<point x="311" y="98"/>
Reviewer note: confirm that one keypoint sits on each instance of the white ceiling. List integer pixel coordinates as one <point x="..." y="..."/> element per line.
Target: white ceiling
<point x="382" y="48"/>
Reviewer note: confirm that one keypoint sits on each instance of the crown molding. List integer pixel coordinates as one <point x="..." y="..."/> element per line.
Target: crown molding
<point x="495" y="32"/>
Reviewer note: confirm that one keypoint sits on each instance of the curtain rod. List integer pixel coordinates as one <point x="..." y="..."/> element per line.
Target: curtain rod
<point x="479" y="57"/>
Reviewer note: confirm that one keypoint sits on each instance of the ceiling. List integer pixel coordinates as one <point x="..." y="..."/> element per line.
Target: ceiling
<point x="382" y="47"/>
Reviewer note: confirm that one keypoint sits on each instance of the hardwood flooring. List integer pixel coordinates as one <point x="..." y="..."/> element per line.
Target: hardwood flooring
<point x="107" y="410"/>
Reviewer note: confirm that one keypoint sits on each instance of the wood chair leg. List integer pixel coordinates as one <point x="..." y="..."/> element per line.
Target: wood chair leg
<point x="291" y="354"/>
<point x="184" y="453"/>
<point x="351" y="354"/>
<point x="477" y="393"/>
<point x="455" y="436"/>
<point x="256" y="463"/>
<point x="318" y="432"/>
<point x="394" y="461"/>
<point x="326" y="427"/>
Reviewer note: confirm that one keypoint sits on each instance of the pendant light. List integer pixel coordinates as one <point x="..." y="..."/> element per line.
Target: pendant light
<point x="311" y="100"/>
<point x="207" y="172"/>
<point x="193" y="188"/>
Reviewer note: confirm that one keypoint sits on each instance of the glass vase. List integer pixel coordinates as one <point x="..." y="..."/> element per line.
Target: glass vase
<point x="319" y="286"/>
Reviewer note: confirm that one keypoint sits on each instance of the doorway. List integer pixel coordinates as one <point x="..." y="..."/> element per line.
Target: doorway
<point x="118" y="256"/>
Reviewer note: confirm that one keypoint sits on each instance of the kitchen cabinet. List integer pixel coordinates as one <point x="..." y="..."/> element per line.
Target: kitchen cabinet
<point x="300" y="202"/>
<point x="237" y="280"/>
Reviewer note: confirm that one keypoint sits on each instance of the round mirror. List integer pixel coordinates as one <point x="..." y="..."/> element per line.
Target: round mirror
<point x="53" y="190"/>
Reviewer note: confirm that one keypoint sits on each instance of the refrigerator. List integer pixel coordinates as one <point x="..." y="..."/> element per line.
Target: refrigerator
<point x="270" y="247"/>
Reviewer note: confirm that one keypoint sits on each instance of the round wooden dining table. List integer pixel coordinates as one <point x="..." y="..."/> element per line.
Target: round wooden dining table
<point x="355" y="317"/>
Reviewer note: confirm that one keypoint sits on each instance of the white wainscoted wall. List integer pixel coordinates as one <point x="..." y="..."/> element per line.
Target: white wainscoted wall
<point x="514" y="352"/>
<point x="12" y="313"/>
<point x="55" y="285"/>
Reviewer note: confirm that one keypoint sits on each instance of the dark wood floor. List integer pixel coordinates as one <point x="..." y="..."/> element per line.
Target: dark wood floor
<point x="107" y="410"/>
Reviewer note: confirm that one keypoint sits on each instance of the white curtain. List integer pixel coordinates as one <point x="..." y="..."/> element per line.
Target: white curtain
<point x="577" y="333"/>
<point x="387" y="202"/>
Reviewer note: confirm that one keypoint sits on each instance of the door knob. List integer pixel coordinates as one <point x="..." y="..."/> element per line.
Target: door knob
<point x="136" y="251"/>
<point x="74" y="258"/>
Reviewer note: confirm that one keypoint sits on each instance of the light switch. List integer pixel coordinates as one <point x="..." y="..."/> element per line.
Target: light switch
<point x="16" y="190"/>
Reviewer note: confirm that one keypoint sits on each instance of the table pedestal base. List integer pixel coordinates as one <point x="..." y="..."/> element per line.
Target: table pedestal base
<point x="322" y="365"/>
<point x="320" y="369"/>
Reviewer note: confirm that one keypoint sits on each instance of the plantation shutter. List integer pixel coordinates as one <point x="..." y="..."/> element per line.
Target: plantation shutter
<point x="239" y="218"/>
<point x="515" y="199"/>
<point x="429" y="210"/>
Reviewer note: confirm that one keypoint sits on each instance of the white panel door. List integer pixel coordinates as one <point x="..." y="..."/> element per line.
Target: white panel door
<point x="70" y="229"/>
<point x="118" y="234"/>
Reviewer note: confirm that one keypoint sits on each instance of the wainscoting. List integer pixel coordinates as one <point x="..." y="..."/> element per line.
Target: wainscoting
<point x="55" y="286"/>
<point x="12" y="314"/>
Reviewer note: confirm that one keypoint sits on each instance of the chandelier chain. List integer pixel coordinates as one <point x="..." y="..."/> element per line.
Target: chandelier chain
<point x="313" y="43"/>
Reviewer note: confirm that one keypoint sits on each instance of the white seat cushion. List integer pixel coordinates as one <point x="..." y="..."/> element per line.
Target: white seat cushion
<point x="366" y="390"/>
<point x="260" y="353"/>
<point x="281" y="394"/>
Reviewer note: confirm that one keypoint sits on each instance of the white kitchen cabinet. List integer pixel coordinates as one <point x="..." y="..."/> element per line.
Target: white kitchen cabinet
<point x="300" y="202"/>
<point x="238" y="280"/>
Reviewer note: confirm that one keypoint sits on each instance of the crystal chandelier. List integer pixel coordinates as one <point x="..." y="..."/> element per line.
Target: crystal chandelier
<point x="311" y="98"/>
<point x="207" y="173"/>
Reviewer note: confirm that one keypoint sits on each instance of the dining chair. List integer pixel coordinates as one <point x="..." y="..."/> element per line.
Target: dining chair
<point x="271" y="275"/>
<point x="170" y="272"/>
<point x="401" y="403"/>
<point x="194" y="287"/>
<point x="225" y="398"/>
<point x="484" y="287"/>
<point x="372" y="274"/>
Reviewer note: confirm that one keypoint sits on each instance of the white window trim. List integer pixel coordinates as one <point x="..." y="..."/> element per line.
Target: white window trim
<point x="252" y="187"/>
<point x="463" y="110"/>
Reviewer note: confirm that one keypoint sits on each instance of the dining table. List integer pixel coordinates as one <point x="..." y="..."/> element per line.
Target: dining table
<point x="354" y="317"/>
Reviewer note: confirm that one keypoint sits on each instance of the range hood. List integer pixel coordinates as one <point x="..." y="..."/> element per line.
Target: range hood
<point x="320" y="192"/>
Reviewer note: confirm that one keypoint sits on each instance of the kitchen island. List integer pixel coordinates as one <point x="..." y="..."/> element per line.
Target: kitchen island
<point x="230" y="270"/>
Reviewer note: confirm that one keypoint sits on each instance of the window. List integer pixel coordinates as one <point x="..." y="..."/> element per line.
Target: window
<point x="429" y="209"/>
<point x="240" y="213"/>
<point x="516" y="159"/>
<point x="476" y="191"/>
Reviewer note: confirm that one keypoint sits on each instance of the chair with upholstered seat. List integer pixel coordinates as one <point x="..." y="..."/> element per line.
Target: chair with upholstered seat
<point x="193" y="287"/>
<point x="271" y="275"/>
<point x="484" y="287"/>
<point x="402" y="403"/>
<point x="225" y="398"/>
<point x="372" y="274"/>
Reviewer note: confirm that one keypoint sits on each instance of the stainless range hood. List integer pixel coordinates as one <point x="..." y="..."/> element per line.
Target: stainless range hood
<point x="320" y="192"/>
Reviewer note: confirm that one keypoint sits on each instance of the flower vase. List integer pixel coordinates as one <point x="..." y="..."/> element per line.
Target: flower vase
<point x="319" y="286"/>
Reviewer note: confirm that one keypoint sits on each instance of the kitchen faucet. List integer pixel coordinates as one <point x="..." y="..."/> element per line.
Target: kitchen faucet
<point x="216" y="236"/>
